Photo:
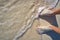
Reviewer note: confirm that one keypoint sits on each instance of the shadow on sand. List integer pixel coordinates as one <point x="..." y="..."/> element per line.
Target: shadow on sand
<point x="52" y="20"/>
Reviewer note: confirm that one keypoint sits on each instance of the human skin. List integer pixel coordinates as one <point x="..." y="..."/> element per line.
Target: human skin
<point x="56" y="11"/>
<point x="54" y="28"/>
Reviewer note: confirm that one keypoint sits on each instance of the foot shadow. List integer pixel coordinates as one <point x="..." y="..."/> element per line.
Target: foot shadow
<point x="51" y="20"/>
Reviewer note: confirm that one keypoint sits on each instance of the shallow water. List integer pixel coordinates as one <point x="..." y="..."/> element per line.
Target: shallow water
<point x="13" y="15"/>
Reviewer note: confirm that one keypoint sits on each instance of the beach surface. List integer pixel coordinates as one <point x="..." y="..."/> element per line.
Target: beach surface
<point x="15" y="13"/>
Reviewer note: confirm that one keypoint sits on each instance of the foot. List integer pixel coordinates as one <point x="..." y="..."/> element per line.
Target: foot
<point x="43" y="29"/>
